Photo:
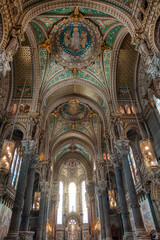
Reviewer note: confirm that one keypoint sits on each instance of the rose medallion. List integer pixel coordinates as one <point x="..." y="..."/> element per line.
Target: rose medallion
<point x="76" y="44"/>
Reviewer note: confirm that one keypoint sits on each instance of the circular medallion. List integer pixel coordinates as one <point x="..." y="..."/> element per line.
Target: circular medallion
<point x="73" y="110"/>
<point x="76" y="43"/>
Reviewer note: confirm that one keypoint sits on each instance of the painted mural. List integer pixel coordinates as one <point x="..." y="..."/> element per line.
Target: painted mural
<point x="5" y="217"/>
<point x="147" y="215"/>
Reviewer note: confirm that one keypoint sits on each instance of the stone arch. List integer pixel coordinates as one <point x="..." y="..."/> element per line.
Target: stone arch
<point x="78" y="136"/>
<point x="74" y="216"/>
<point x="8" y="128"/>
<point x="112" y="10"/>
<point x="4" y="30"/>
<point x="86" y="164"/>
<point x="153" y="34"/>
<point x="83" y="99"/>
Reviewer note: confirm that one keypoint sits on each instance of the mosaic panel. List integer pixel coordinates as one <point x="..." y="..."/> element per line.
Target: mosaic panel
<point x="107" y="57"/>
<point x="111" y="36"/>
<point x="76" y="43"/>
<point x="104" y="24"/>
<point x="48" y="22"/>
<point x="43" y="58"/>
<point x="53" y="69"/>
<point x="23" y="71"/>
<point x="96" y="69"/>
<point x="88" y="77"/>
<point x="38" y="32"/>
<point x="60" y="77"/>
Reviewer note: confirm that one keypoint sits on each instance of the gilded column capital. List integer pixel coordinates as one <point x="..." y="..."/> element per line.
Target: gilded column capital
<point x="122" y="146"/>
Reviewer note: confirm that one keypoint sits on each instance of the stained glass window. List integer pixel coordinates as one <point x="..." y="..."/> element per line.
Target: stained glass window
<point x="157" y="103"/>
<point x="84" y="205"/>
<point x="15" y="167"/>
<point x="133" y="167"/>
<point x="60" y="207"/>
<point x="72" y="197"/>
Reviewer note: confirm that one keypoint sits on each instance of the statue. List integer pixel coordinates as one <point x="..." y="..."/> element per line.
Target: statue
<point x="5" y="58"/>
<point x="154" y="67"/>
<point x="14" y="42"/>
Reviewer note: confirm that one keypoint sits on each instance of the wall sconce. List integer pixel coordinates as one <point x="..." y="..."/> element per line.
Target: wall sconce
<point x="148" y="155"/>
<point x="6" y="156"/>
<point x="112" y="199"/>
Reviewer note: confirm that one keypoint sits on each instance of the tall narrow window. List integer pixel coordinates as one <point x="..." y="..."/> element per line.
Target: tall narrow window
<point x="60" y="207"/>
<point x="16" y="167"/>
<point x="133" y="167"/>
<point x="72" y="197"/>
<point x="157" y="103"/>
<point x="84" y="205"/>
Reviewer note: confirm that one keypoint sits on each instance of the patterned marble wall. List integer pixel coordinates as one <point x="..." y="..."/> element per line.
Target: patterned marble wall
<point x="5" y="217"/>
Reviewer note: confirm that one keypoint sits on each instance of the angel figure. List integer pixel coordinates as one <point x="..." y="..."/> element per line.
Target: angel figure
<point x="67" y="39"/>
<point x="14" y="42"/>
<point x="47" y="44"/>
<point x="84" y="39"/>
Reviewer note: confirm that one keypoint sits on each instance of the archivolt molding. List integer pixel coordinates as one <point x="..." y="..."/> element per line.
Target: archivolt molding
<point x="114" y="61"/>
<point x="133" y="126"/>
<point x="64" y="83"/>
<point x="8" y="128"/>
<point x="110" y="28"/>
<point x="5" y="24"/>
<point x="41" y="26"/>
<point x="151" y="34"/>
<point x="82" y="99"/>
<point x="114" y="11"/>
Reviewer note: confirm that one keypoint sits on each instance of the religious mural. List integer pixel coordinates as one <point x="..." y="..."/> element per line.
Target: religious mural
<point x="76" y="43"/>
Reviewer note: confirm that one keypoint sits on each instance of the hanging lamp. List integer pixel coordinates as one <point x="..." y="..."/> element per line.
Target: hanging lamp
<point x="8" y="146"/>
<point x="111" y="192"/>
<point x="145" y="145"/>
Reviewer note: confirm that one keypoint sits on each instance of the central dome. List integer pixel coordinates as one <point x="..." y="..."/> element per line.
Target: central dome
<point x="76" y="43"/>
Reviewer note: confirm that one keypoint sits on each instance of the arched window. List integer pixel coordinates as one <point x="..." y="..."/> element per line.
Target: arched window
<point x="84" y="205"/>
<point x="60" y="207"/>
<point x="72" y="197"/>
<point x="157" y="103"/>
<point x="133" y="167"/>
<point x="16" y="167"/>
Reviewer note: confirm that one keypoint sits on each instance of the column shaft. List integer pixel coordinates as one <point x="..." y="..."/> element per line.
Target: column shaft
<point x="132" y="194"/>
<point x="18" y="204"/>
<point x="45" y="217"/>
<point x="106" y="215"/>
<point x="123" y="203"/>
<point x="101" y="215"/>
<point x="40" y="217"/>
<point x="28" y="200"/>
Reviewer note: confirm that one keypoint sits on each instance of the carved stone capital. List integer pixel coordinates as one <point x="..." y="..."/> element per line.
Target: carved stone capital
<point x="141" y="235"/>
<point x="34" y="161"/>
<point x="128" y="236"/>
<point x="115" y="160"/>
<point x="28" y="147"/>
<point x="122" y="146"/>
<point x="44" y="186"/>
<point x="26" y="235"/>
<point x="103" y="185"/>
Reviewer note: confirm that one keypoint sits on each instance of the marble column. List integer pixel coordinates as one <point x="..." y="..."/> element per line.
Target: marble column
<point x="45" y="216"/>
<point x="43" y="186"/>
<point x="28" y="198"/>
<point x="105" y="202"/>
<point x="128" y="235"/>
<point x="28" y="148"/>
<point x="101" y="214"/>
<point x="122" y="147"/>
